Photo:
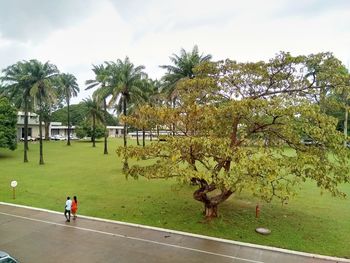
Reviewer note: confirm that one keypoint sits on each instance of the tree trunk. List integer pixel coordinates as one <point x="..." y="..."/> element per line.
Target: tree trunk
<point x="150" y="135"/>
<point x="211" y="203"/>
<point x="157" y="132"/>
<point x="346" y="125"/>
<point x="93" y="130"/>
<point x="125" y="164"/>
<point x="105" y="151"/>
<point x="173" y="126"/>
<point x="26" y="130"/>
<point x="143" y="137"/>
<point x="137" y="137"/>
<point x="47" y="131"/>
<point x="68" y="123"/>
<point x="41" y="160"/>
<point x="211" y="211"/>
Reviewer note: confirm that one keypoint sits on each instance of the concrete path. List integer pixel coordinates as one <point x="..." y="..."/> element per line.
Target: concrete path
<point x="37" y="235"/>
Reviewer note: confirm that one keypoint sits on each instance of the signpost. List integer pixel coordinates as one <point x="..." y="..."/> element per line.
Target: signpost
<point x="13" y="185"/>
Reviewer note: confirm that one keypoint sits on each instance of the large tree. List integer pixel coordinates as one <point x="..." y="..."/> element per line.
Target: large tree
<point x="17" y="86"/>
<point x="182" y="67"/>
<point x="8" y="124"/>
<point x="68" y="88"/>
<point x="102" y="83"/>
<point x="241" y="126"/>
<point x="41" y="77"/>
<point x="126" y="83"/>
<point x="95" y="115"/>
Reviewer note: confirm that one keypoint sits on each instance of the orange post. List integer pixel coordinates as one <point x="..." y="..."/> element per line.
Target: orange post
<point x="257" y="211"/>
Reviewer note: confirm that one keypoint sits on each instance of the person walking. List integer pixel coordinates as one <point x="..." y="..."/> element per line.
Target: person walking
<point x="67" y="209"/>
<point x="74" y="207"/>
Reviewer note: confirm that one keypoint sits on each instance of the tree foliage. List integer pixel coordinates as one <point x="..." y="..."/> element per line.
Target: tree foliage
<point x="241" y="126"/>
<point x="67" y="88"/>
<point x="8" y="121"/>
<point x="182" y="67"/>
<point x="85" y="130"/>
<point x="78" y="114"/>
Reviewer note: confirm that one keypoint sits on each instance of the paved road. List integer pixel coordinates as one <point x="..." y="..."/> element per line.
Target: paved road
<point x="40" y="236"/>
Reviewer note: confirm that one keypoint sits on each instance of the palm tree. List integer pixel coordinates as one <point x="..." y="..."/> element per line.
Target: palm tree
<point x="151" y="96"/>
<point x="182" y="67"/>
<point x="68" y="88"/>
<point x="126" y="84"/>
<point x="101" y="81"/>
<point x="95" y="114"/>
<point x="17" y="86"/>
<point x="41" y="77"/>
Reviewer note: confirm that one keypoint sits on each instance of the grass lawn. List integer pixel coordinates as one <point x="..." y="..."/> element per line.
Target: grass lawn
<point x="311" y="222"/>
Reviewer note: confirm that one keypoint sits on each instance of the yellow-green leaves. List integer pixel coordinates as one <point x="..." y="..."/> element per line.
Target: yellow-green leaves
<point x="244" y="126"/>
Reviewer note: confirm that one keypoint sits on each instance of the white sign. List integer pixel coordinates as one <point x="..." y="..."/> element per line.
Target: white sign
<point x="13" y="184"/>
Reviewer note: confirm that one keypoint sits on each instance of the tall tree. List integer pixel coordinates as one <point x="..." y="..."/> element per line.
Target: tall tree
<point x="102" y="82"/>
<point x="41" y="76"/>
<point x="182" y="67"/>
<point x="242" y="126"/>
<point x="68" y="88"/>
<point x="95" y="114"/>
<point x="126" y="83"/>
<point x="8" y="124"/>
<point x="17" y="86"/>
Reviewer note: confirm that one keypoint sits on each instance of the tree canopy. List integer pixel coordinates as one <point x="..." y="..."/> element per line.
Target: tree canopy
<point x="78" y="114"/>
<point x="8" y="121"/>
<point x="241" y="126"/>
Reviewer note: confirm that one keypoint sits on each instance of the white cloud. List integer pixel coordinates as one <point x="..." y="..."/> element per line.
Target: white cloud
<point x="151" y="31"/>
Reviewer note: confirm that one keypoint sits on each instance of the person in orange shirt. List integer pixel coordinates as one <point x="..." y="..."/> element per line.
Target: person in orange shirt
<point x="74" y="207"/>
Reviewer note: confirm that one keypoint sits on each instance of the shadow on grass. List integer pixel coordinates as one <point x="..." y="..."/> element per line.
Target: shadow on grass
<point x="7" y="156"/>
<point x="88" y="141"/>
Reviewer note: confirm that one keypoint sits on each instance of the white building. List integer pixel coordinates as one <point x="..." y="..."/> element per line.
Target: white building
<point x="33" y="125"/>
<point x="56" y="128"/>
<point x="115" y="131"/>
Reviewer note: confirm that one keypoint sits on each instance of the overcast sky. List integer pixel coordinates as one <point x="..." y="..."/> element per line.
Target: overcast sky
<point x="74" y="34"/>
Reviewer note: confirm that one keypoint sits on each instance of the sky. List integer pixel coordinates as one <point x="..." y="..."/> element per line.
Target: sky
<point x="76" y="34"/>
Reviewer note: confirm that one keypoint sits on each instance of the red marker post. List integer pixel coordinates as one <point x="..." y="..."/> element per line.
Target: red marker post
<point x="257" y="211"/>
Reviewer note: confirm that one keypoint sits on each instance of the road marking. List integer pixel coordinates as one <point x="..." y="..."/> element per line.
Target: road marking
<point x="182" y="233"/>
<point x="132" y="238"/>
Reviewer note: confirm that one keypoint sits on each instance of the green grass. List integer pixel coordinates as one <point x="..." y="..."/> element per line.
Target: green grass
<point x="310" y="222"/>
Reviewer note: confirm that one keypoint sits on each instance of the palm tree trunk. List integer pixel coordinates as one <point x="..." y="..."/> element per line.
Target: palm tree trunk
<point x="174" y="105"/>
<point x="105" y="120"/>
<point x="93" y="130"/>
<point x="157" y="132"/>
<point x="68" y="123"/>
<point x="137" y="137"/>
<point x="47" y="133"/>
<point x="346" y="125"/>
<point x="41" y="160"/>
<point x="25" y="130"/>
<point x="143" y="137"/>
<point x="150" y="135"/>
<point x="125" y="165"/>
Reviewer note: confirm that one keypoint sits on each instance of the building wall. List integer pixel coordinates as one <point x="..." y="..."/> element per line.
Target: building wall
<point x="33" y="131"/>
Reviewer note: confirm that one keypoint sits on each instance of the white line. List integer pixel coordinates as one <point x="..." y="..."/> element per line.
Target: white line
<point x="132" y="238"/>
<point x="233" y="242"/>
